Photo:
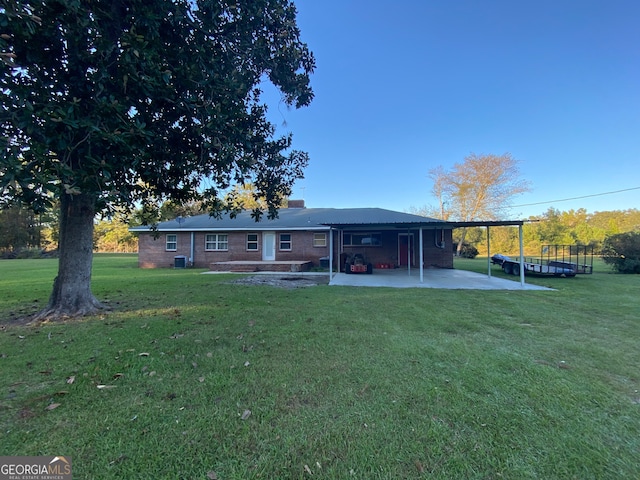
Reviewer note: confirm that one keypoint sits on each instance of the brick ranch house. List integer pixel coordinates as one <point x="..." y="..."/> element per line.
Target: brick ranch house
<point x="299" y="239"/>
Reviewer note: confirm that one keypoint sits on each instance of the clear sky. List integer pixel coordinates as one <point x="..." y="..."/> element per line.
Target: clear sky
<point x="406" y="85"/>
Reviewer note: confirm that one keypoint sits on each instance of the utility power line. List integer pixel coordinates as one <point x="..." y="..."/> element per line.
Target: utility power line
<point x="576" y="198"/>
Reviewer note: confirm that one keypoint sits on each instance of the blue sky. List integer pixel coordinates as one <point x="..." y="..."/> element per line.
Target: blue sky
<point x="404" y="86"/>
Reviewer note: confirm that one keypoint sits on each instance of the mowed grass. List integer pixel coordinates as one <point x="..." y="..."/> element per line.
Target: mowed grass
<point x="193" y="377"/>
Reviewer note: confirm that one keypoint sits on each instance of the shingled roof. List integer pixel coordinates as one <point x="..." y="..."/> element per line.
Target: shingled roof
<point x="302" y="219"/>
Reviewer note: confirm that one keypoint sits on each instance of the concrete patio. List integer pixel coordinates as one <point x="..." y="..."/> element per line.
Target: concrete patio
<point x="399" y="278"/>
<point x="433" y="278"/>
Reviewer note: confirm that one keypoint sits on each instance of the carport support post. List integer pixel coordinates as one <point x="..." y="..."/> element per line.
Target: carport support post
<point x="488" y="252"/>
<point x="521" y="255"/>
<point x="331" y="253"/>
<point x="422" y="257"/>
<point x="409" y="251"/>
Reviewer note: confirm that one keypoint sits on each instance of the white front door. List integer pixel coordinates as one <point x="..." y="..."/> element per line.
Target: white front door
<point x="268" y="246"/>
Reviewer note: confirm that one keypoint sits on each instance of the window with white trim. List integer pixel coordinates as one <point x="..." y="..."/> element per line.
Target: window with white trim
<point x="252" y="242"/>
<point x="319" y="239"/>
<point x="285" y="241"/>
<point x="171" y="242"/>
<point x="216" y="242"/>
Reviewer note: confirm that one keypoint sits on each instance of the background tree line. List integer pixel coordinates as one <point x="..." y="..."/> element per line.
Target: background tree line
<point x="555" y="227"/>
<point x="23" y="231"/>
<point x="26" y="234"/>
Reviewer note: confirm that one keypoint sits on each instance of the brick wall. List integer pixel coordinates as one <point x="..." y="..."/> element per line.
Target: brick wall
<point x="152" y="253"/>
<point x="433" y="255"/>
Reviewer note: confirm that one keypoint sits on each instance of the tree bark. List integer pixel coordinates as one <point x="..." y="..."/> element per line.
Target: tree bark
<point x="71" y="296"/>
<point x="461" y="242"/>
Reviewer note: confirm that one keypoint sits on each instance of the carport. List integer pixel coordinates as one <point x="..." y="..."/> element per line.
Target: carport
<point x="396" y="232"/>
<point x="416" y="225"/>
<point x="499" y="223"/>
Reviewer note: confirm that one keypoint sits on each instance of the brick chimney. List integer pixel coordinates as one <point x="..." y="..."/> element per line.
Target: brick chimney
<point x="296" y="204"/>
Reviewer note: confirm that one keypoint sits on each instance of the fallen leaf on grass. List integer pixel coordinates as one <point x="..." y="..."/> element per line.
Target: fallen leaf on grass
<point x="53" y="406"/>
<point x="102" y="387"/>
<point x="143" y="354"/>
<point x="543" y="362"/>
<point x="246" y="414"/>
<point x="209" y="354"/>
<point x="419" y="466"/>
<point x="118" y="375"/>
<point x="246" y="364"/>
<point x="212" y="475"/>
<point x="121" y="458"/>
<point x="308" y="470"/>
<point x="201" y="379"/>
<point x="71" y="379"/>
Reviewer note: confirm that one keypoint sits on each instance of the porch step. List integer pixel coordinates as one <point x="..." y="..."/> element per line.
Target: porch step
<point x="250" y="267"/>
<point x="243" y="268"/>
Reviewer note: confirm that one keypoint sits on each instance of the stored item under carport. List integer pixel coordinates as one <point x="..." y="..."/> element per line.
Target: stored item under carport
<point x="357" y="264"/>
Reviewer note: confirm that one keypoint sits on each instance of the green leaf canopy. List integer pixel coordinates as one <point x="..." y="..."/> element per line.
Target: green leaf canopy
<point x="132" y="101"/>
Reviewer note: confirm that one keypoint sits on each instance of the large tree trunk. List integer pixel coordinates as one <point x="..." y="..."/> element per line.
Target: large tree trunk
<point x="461" y="242"/>
<point x="71" y="296"/>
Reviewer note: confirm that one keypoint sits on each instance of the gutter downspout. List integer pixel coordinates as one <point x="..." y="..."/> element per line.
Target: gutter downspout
<point x="193" y="249"/>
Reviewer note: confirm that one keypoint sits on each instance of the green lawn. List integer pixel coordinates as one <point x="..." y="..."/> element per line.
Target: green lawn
<point x="340" y="382"/>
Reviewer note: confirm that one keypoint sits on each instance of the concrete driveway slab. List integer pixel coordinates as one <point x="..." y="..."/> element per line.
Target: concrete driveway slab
<point x="433" y="278"/>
